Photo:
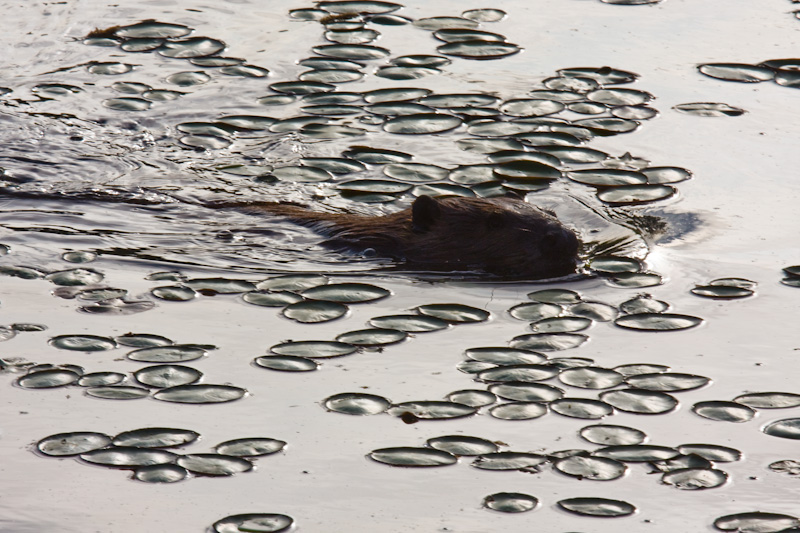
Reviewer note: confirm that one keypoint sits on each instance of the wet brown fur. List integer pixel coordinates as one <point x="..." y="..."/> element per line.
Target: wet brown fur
<point x="502" y="236"/>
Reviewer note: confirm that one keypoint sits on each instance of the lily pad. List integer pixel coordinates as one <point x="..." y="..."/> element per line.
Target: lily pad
<point x="610" y="435"/>
<point x="314" y="349"/>
<point x="286" y="363"/>
<point x="510" y="502"/>
<point x="529" y="462"/>
<point x="593" y="468"/>
<point x="658" y="321"/>
<point x="432" y="410"/>
<point x="519" y="410"/>
<point x="581" y="408"/>
<point x="312" y="312"/>
<point x="254" y="522"/>
<point x="346" y="293"/>
<point x="724" y="411"/>
<point x="118" y="392"/>
<point x="213" y="464"/>
<point x="73" y="443"/>
<point x="522" y="391"/>
<point x="200" y="394"/>
<point x="356" y="403"/>
<point x="600" y="507"/>
<point x="638" y="401"/>
<point x="162" y="376"/>
<point x="83" y="343"/>
<point x="156" y="438"/>
<point x="250" y="447"/>
<point x="788" y="428"/>
<point x="460" y="445"/>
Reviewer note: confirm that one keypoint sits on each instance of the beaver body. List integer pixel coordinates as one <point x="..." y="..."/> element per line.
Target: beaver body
<point x="506" y="237"/>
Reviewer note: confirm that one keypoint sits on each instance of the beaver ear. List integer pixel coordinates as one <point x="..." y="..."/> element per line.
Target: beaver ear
<point x="424" y="213"/>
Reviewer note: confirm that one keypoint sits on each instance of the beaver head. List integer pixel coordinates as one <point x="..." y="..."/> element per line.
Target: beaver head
<point x="502" y="236"/>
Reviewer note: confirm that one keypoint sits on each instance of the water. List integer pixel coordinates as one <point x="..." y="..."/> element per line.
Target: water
<point x="84" y="177"/>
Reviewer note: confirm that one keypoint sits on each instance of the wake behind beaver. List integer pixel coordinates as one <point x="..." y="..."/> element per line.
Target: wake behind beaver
<point x="504" y="237"/>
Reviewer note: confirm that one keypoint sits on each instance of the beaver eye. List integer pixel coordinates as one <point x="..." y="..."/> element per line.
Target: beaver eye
<point x="495" y="221"/>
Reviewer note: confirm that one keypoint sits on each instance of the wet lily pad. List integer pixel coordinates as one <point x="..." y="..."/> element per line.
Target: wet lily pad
<point x="643" y="304"/>
<point x="200" y="394"/>
<point x="176" y="353"/>
<point x="109" y="68"/>
<point x="581" y="408"/>
<point x="455" y="313"/>
<point x="461" y="445"/>
<point x="712" y="452"/>
<point x="422" y="123"/>
<point x="415" y="172"/>
<point x="505" y="356"/>
<point x="356" y="403"/>
<point x="152" y="29"/>
<point x="479" y="49"/>
<point x="519" y="410"/>
<point x="740" y="72"/>
<point x="591" y="377"/>
<point x="356" y="52"/>
<point x="83" y="343"/>
<point x="509" y="461"/>
<point x="409" y="323"/>
<point x="667" y="381"/>
<point x="73" y="443"/>
<point x="525" y="373"/>
<point x="255" y="522"/>
<point x="432" y="410"/>
<point x="561" y="324"/>
<point x="535" y="311"/>
<point x="213" y="464"/>
<point x="127" y="456"/>
<point x="412" y="457"/>
<point x="191" y="47"/>
<point x="722" y="291"/>
<point x="372" y="337"/>
<point x="510" y="502"/>
<point x="526" y="392"/>
<point x="593" y="468"/>
<point x="118" y="392"/>
<point x="757" y="522"/>
<point x="292" y="282"/>
<point x="597" y="311"/>
<point x="286" y="363"/>
<point x="156" y="438"/>
<point x="637" y="453"/>
<point x="160" y="473"/>
<point x="346" y="293"/>
<point x="142" y="340"/>
<point x="658" y="321"/>
<point x="724" y="411"/>
<point x="314" y="349"/>
<point x="600" y="507"/>
<point x="47" y="379"/>
<point x="769" y="400"/>
<point x="635" y="194"/>
<point x="221" y="285"/>
<point x="639" y="401"/>
<point x="607" y="177"/>
<point x="174" y="293"/>
<point x="548" y="342"/>
<point x="75" y="277"/>
<point x="788" y="428"/>
<point x="472" y="397"/>
<point x="162" y="376"/>
<point x="709" y="109"/>
<point x="98" y="379"/>
<point x="311" y="312"/>
<point x="250" y="447"/>
<point x="610" y="435"/>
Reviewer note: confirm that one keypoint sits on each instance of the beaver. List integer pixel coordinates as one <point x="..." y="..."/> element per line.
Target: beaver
<point x="506" y="237"/>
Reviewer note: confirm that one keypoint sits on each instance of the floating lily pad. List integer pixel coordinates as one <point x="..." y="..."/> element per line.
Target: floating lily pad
<point x="176" y="353"/>
<point x="637" y="453"/>
<point x="724" y="411"/>
<point x="484" y="15"/>
<point x="722" y="292"/>
<point x="638" y="401"/>
<point x="127" y="456"/>
<point x="152" y="29"/>
<point x="191" y="47"/>
<point x="118" y="392"/>
<point x="156" y="438"/>
<point x="600" y="507"/>
<point x="109" y="68"/>
<point x="286" y="363"/>
<point x="667" y="381"/>
<point x="769" y="400"/>
<point x="635" y="194"/>
<point x="591" y="377"/>
<point x="757" y="522"/>
<point x="510" y="502"/>
<point x="21" y="272"/>
<point x="160" y="473"/>
<point x="505" y="356"/>
<point x="561" y="324"/>
<point x="788" y="428"/>
<point x="162" y="376"/>
<point x="610" y="435"/>
<point x="548" y="342"/>
<point x="98" y="379"/>
<point x="479" y="49"/>
<point x="73" y="443"/>
<point x="174" y="293"/>
<point x="250" y="447"/>
<point x="461" y="445"/>
<point x="314" y="349"/>
<point x="409" y="323"/>
<point x="356" y="403"/>
<point x="292" y="282"/>
<point x="593" y="468"/>
<point x="415" y="172"/>
<point x="311" y="312"/>
<point x="525" y="373"/>
<point x="346" y="293"/>
<point x="432" y="410"/>
<point x="47" y="379"/>
<point x="221" y="285"/>
<point x="607" y="177"/>
<point x="575" y="154"/>
<point x="510" y="461"/>
<point x="439" y="23"/>
<point x="212" y="464"/>
<point x="200" y="394"/>
<point x="255" y="522"/>
<point x="709" y="109"/>
<point x="643" y="304"/>
<point x="83" y="343"/>
<point x="535" y="311"/>
<point x="658" y="321"/>
<point x="142" y="340"/>
<point x="526" y="392"/>
<point x="75" y="277"/>
<point x="596" y="311"/>
<point x="472" y="397"/>
<point x="372" y="337"/>
<point x="555" y="296"/>
<point x="581" y="408"/>
<point x="422" y="123"/>
<point x="519" y="410"/>
<point x="740" y="72"/>
<point x="455" y="313"/>
<point x="412" y="457"/>
<point x="712" y="452"/>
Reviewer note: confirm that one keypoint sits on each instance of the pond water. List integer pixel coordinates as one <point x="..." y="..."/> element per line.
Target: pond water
<point x="126" y="189"/>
